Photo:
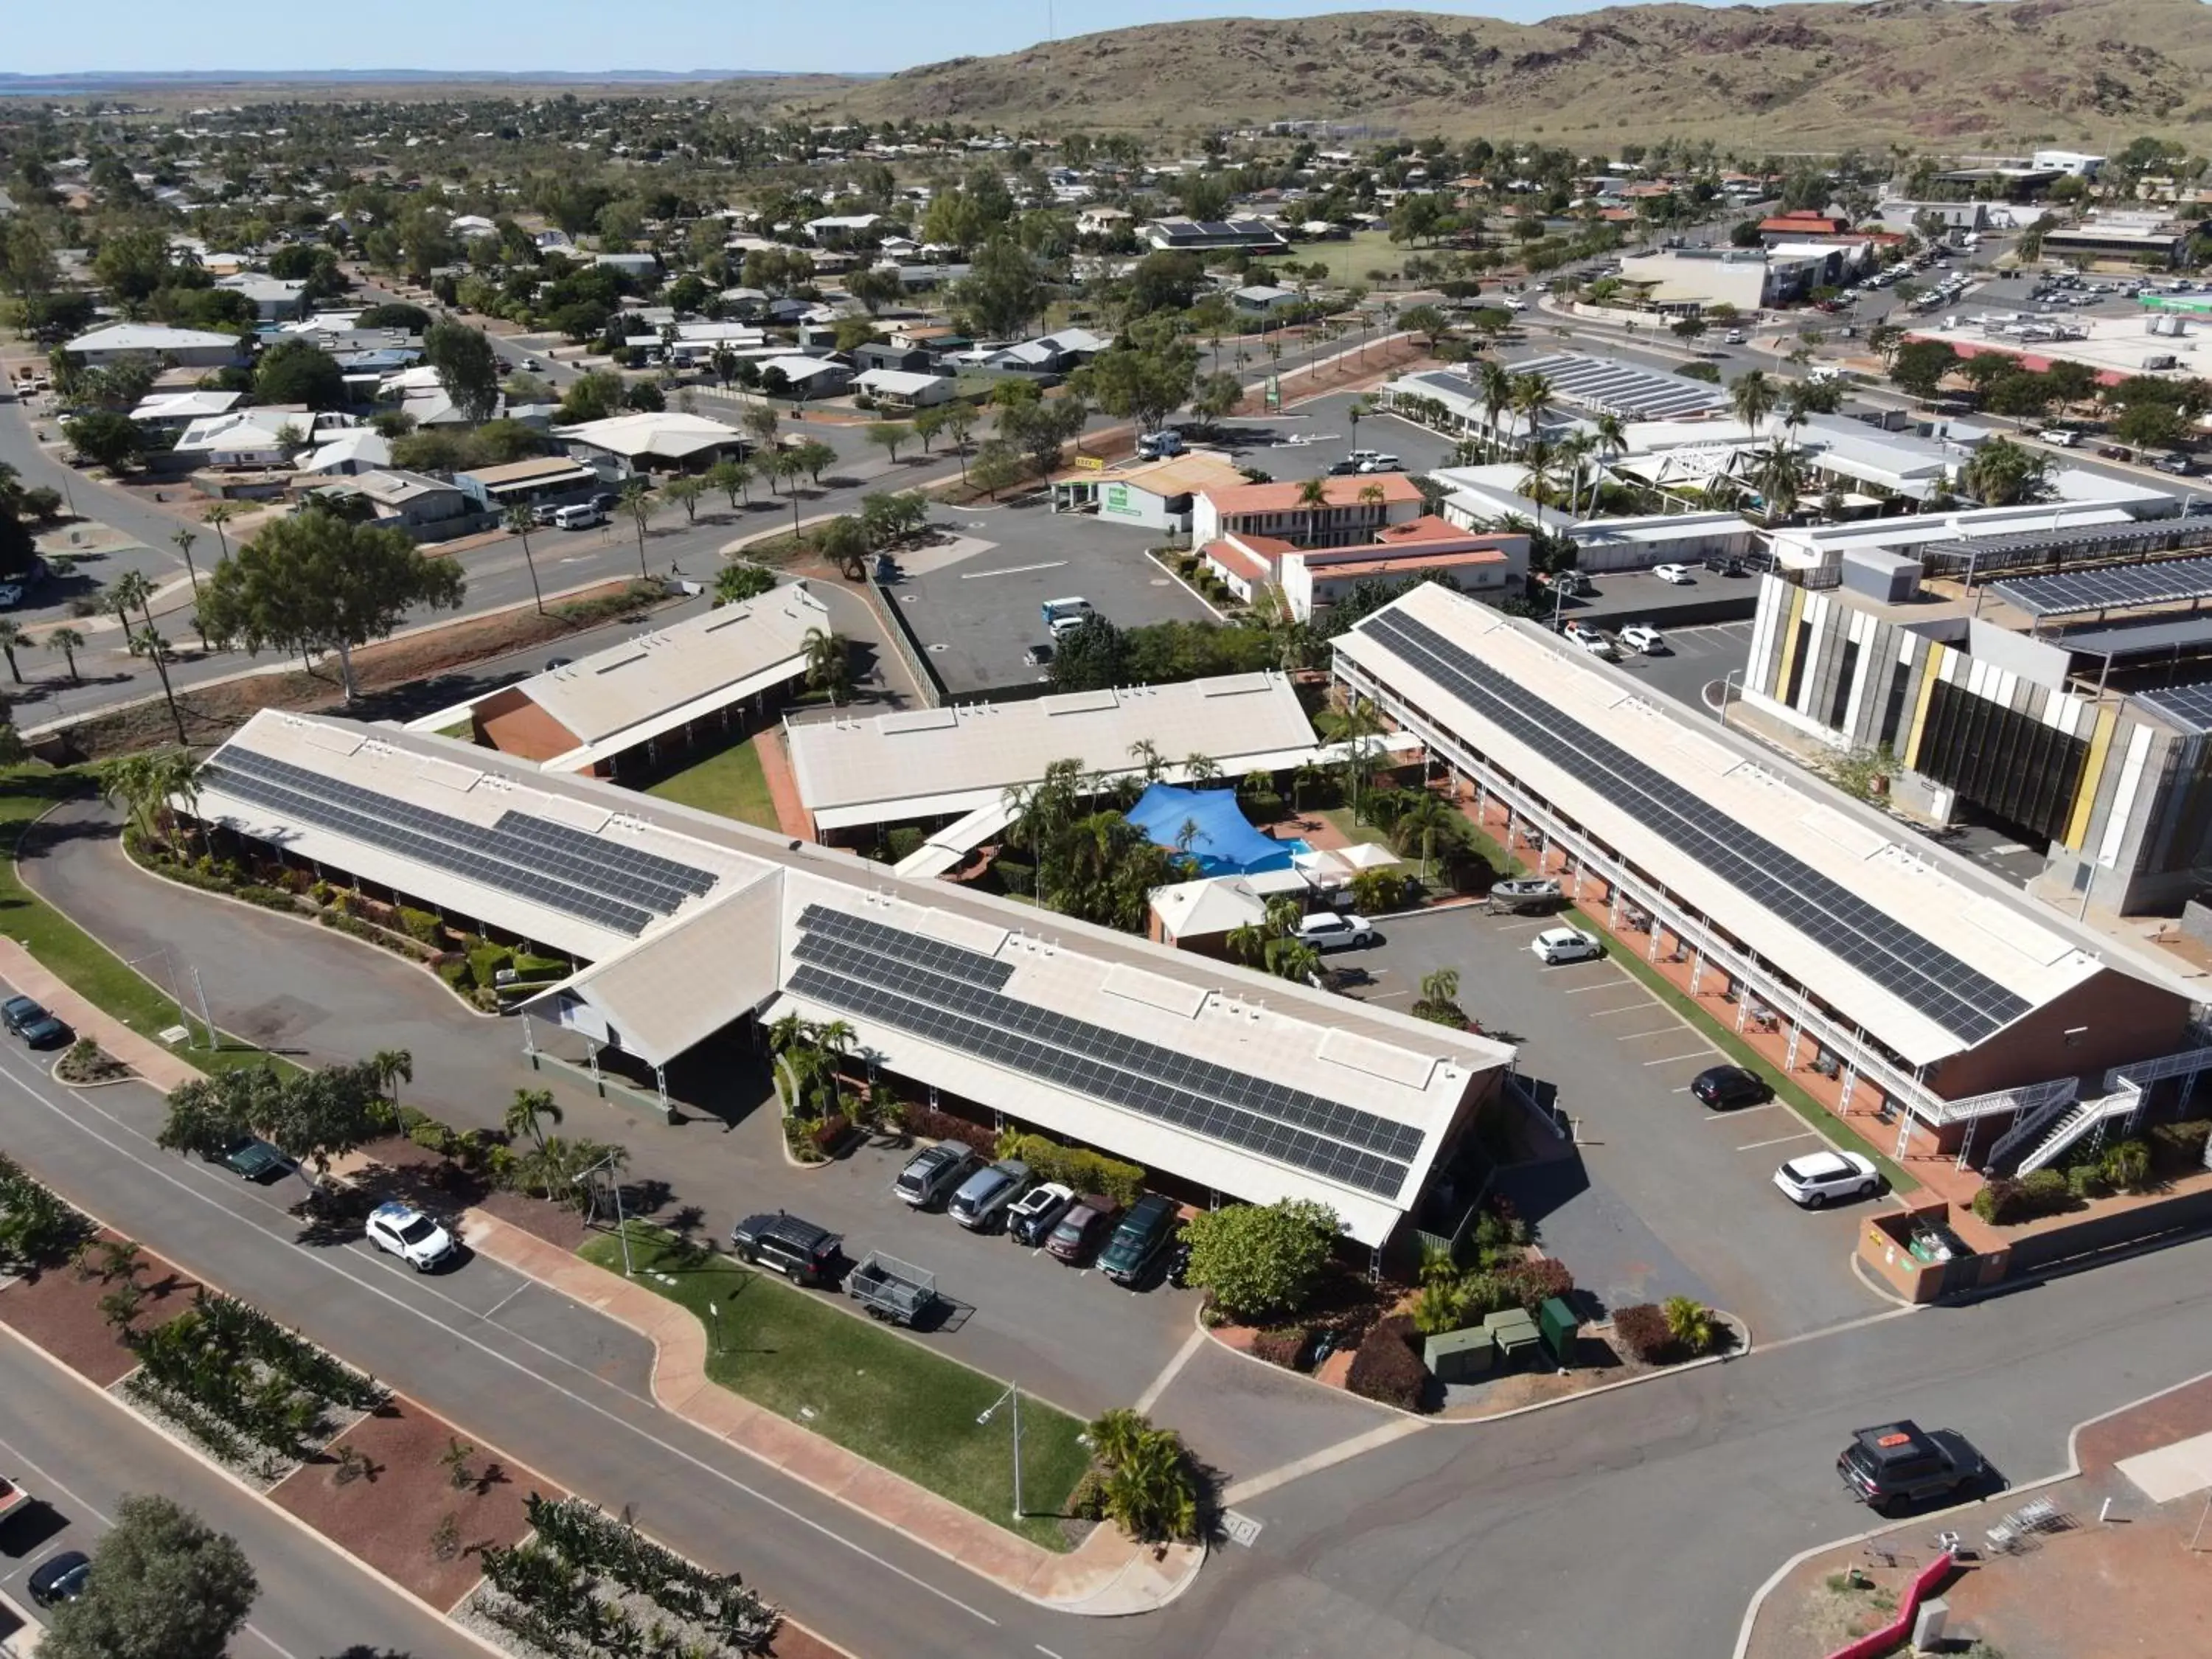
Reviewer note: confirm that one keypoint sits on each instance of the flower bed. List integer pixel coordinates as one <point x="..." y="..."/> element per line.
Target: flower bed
<point x="86" y="1065"/>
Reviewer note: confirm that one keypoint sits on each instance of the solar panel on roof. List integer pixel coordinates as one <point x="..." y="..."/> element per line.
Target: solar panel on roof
<point x="2060" y="545"/>
<point x="2110" y="587"/>
<point x="1901" y="960"/>
<point x="2187" y="706"/>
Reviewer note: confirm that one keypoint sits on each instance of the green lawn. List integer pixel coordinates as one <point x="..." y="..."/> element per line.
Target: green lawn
<point x="870" y="1390"/>
<point x="88" y="967"/>
<point x="730" y="783"/>
<point x="1349" y="261"/>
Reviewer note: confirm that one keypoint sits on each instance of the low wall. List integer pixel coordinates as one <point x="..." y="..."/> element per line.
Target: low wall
<point x="2138" y="1224"/>
<point x="1890" y="1636"/>
<point x="1882" y="1247"/>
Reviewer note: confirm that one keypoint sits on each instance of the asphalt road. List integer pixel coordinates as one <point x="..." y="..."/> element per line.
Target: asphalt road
<point x="78" y="1454"/>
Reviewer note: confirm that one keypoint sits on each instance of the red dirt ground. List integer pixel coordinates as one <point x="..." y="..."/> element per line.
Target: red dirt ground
<point x="386" y="1519"/>
<point x="60" y="1313"/>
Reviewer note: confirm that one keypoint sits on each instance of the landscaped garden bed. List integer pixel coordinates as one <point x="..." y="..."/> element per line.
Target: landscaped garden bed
<point x="88" y="1065"/>
<point x="587" y="1587"/>
<point x="885" y="1397"/>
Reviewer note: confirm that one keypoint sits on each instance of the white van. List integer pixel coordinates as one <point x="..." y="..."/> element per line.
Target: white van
<point x="582" y="516"/>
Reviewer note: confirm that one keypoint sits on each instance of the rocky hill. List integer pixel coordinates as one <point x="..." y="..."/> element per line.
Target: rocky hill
<point x="1952" y="74"/>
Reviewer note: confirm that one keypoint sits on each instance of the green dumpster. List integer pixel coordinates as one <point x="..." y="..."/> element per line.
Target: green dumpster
<point x="1556" y="1324"/>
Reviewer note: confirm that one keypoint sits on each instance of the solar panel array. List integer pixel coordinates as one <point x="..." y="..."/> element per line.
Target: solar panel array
<point x="2110" y="588"/>
<point x="1623" y="389"/>
<point x="950" y="960"/>
<point x="1905" y="963"/>
<point x="889" y="975"/>
<point x="1989" y="557"/>
<point x="606" y="883"/>
<point x="2189" y="706"/>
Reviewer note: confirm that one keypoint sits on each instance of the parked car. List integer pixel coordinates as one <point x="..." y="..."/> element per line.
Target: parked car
<point x="1031" y="1217"/>
<point x="403" y="1230"/>
<point x="1723" y="1086"/>
<point x="582" y="516"/>
<point x="253" y="1157"/>
<point x="987" y="1193"/>
<point x="1158" y="446"/>
<point x="785" y="1244"/>
<point x="1903" y="1463"/>
<point x="1382" y="463"/>
<point x="30" y="1021"/>
<point x="1678" y="574"/>
<point x="1724" y="564"/>
<point x="2116" y="452"/>
<point x="1038" y="656"/>
<point x="1557" y="945"/>
<point x="1596" y="644"/>
<point x="1642" y="638"/>
<point x="1811" y="1181"/>
<point x="60" y="1578"/>
<point x="2178" y="466"/>
<point x="1081" y="1229"/>
<point x="11" y="595"/>
<point x="532" y="364"/>
<point x="1734" y="336"/>
<point x="2059" y="435"/>
<point x="1145" y="1233"/>
<point x="932" y="1174"/>
<point x="1335" y="931"/>
<point x="1342" y="469"/>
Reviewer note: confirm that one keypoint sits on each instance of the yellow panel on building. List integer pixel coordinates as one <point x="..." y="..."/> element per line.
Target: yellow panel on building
<point x="2092" y="770"/>
<point x="1935" y="666"/>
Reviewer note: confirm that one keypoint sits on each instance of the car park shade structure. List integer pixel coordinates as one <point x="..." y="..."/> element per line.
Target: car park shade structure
<point x="2189" y="706"/>
<point x="2112" y="588"/>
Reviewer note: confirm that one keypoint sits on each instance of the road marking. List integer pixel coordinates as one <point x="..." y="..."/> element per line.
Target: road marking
<point x="1740" y="1111"/>
<point x="1328" y="1457"/>
<point x="1635" y="1036"/>
<point x="1753" y="1146"/>
<point x="1694" y="1054"/>
<point x="1048" y="1652"/>
<point x="1159" y="1385"/>
<point x="492" y="1313"/>
<point x="1625" y="1008"/>
<point x="1597" y="985"/>
<point x="1011" y="570"/>
<point x="33" y="1086"/>
<point x="1243" y="1530"/>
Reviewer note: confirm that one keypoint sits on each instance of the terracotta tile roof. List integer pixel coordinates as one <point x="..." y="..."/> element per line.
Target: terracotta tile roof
<point x="1397" y="489"/>
<point x="1413" y="558"/>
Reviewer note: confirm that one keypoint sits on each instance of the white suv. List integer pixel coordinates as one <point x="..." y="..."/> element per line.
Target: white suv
<point x="1644" y="638"/>
<point x="1678" y="574"/>
<point x="403" y="1230"/>
<point x="1328" y="932"/>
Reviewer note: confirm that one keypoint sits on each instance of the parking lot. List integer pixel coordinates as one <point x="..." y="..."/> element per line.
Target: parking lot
<point x="1305" y="442"/>
<point x="975" y="605"/>
<point x="1665" y="1195"/>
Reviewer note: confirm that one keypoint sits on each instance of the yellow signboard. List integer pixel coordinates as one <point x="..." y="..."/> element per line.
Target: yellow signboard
<point x="1089" y="464"/>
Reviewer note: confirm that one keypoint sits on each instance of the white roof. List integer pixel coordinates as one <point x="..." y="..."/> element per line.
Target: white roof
<point x="897" y="381"/>
<point x="731" y="950"/>
<point x="617" y="698"/>
<point x="1985" y="928"/>
<point x="1220" y="905"/>
<point x="669" y="433"/>
<point x="883" y="764"/>
<point x="148" y="337"/>
<point x="186" y="406"/>
<point x="362" y="446"/>
<point x="242" y="431"/>
<point x="796" y="367"/>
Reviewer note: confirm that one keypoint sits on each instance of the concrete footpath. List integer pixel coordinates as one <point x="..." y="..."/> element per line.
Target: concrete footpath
<point x="142" y="1054"/>
<point x="1107" y="1576"/>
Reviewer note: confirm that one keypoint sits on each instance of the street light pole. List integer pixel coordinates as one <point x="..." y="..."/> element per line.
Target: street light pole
<point x="1727" y="680"/>
<point x="1012" y="1397"/>
<point x="622" y="1226"/>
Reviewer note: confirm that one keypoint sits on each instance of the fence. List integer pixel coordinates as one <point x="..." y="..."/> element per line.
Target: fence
<point x="909" y="650"/>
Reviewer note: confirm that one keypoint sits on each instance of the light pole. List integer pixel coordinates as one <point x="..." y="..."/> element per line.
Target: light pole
<point x="1727" y="680"/>
<point x="1013" y="1397"/>
<point x="622" y="1227"/>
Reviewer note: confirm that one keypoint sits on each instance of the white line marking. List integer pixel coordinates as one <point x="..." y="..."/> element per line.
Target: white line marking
<point x="1625" y="1008"/>
<point x="1742" y="1111"/>
<point x="1634" y="1036"/>
<point x="1328" y="1457"/>
<point x="1159" y="1385"/>
<point x="1684" y="1089"/>
<point x="1597" y="985"/>
<point x="1753" y="1146"/>
<point x="1011" y="570"/>
<point x="493" y="1312"/>
<point x="329" y="1264"/>
<point x="1694" y="1054"/>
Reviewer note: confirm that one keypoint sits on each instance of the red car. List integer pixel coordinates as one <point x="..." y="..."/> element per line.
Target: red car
<point x="1083" y="1230"/>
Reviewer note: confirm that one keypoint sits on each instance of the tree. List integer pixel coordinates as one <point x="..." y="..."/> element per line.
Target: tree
<point x="528" y="1114"/>
<point x="685" y="491"/>
<point x="813" y="456"/>
<point x="69" y="642"/>
<point x="164" y="1585"/>
<point x="928" y="424"/>
<point x="519" y="522"/>
<point x="396" y="313"/>
<point x="1090" y="657"/>
<point x="828" y="663"/>
<point x="959" y="422"/>
<point x="844" y="542"/>
<point x="184" y="539"/>
<point x="737" y="582"/>
<point x="1001" y="291"/>
<point x="2002" y="473"/>
<point x="1429" y="321"/>
<point x="317" y="582"/>
<point x="997" y="467"/>
<point x="592" y="396"/>
<point x="468" y="369"/>
<point x="732" y="477"/>
<point x="219" y="515"/>
<point x="1919" y="367"/>
<point x="1218" y="394"/>
<point x="2155" y="426"/>
<point x="1752" y="398"/>
<point x="105" y="438"/>
<point x="1260" y="1259"/>
<point x="638" y="500"/>
<point x="1133" y="383"/>
<point x="888" y="435"/>
<point x="298" y="372"/>
<point x="11" y="635"/>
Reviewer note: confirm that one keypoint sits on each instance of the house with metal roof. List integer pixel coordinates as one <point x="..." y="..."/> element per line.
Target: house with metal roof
<point x="1222" y="1083"/>
<point x="657" y="440"/>
<point x="631" y="707"/>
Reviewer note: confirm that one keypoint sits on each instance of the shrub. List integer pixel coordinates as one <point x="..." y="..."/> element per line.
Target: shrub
<point x="2127" y="1164"/>
<point x="1532" y="1284"/>
<point x="1088" y="1501"/>
<point x="2088" y="1180"/>
<point x="486" y="959"/>
<point x="1387" y="1369"/>
<point x="454" y="971"/>
<point x="1641" y="1329"/>
<point x="1282" y="1346"/>
<point x="2045" y="1191"/>
<point x="2179" y="1148"/>
<point x="929" y="1124"/>
<point x="799" y="1134"/>
<point x="433" y="1138"/>
<point x="420" y="925"/>
<point x="829" y="1134"/>
<point x="903" y="843"/>
<point x="1015" y="876"/>
<point x="1261" y="1258"/>
<point x="1691" y="1325"/>
<point x="1078" y="1167"/>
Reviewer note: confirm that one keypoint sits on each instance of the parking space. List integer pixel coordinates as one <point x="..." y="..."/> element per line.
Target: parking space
<point x="1665" y="1195"/>
<point x="975" y="605"/>
<point x="1695" y="657"/>
<point x="1305" y="442"/>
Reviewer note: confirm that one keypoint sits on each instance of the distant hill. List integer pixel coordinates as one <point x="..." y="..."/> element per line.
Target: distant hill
<point x="1954" y="73"/>
<point x="89" y="82"/>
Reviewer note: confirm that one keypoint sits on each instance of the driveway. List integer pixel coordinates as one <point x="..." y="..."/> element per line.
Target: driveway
<point x="1665" y="1195"/>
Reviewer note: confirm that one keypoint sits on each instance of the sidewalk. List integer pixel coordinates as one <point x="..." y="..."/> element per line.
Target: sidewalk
<point x="1107" y="1577"/>
<point x="142" y="1054"/>
<point x="791" y="814"/>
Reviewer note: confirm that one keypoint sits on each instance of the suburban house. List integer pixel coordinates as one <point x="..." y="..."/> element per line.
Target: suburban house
<point x="1104" y="221"/>
<point x="413" y="501"/>
<point x="644" y="266"/>
<point x="1213" y="235"/>
<point x="173" y="411"/>
<point x="355" y="450"/>
<point x="187" y="348"/>
<point x="808" y="377"/>
<point x="1352" y="509"/>
<point x="1313" y="579"/>
<point x="1803" y="222"/>
<point x="542" y="480"/>
<point x="893" y="388"/>
<point x="1049" y="354"/>
<point x="843" y="229"/>
<point x="651" y="441"/>
<point x="1264" y="300"/>
<point x="882" y="354"/>
<point x="246" y="439"/>
<point x="274" y="298"/>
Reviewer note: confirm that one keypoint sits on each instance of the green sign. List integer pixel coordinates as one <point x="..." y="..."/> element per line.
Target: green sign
<point x="1274" y="391"/>
<point x="1114" y="500"/>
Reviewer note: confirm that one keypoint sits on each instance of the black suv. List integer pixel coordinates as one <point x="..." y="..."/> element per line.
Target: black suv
<point x="802" y="1252"/>
<point x="1904" y="1463"/>
<point x="1137" y="1242"/>
<point x="1723" y="1086"/>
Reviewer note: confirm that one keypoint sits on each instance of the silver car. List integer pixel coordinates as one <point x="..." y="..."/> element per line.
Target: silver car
<point x="984" y="1195"/>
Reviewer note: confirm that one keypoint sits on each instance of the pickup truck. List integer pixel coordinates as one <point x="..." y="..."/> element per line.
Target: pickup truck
<point x="1903" y="1463"/>
<point x="12" y="1499"/>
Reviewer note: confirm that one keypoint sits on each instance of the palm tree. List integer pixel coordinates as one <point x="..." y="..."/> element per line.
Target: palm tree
<point x="1201" y="768"/>
<point x="1532" y="395"/>
<point x="1753" y="398"/>
<point x="531" y="1110"/>
<point x="1419" y="825"/>
<point x="637" y="497"/>
<point x="1574" y="450"/>
<point x="393" y="1066"/>
<point x="132" y="588"/>
<point x="1290" y="957"/>
<point x="2002" y="472"/>
<point x="1303" y="779"/>
<point x="219" y="515"/>
<point x="1690" y="1323"/>
<point x="151" y="644"/>
<point x="1359" y="728"/>
<point x="69" y="642"/>
<point x="1497" y="398"/>
<point x="828" y="663"/>
<point x="1313" y="497"/>
<point x="1247" y="943"/>
<point x="11" y="635"/>
<point x="1778" y="476"/>
<point x="184" y="539"/>
<point x="145" y="783"/>
<point x="1372" y="495"/>
<point x="519" y="523"/>
<point x="1147" y="754"/>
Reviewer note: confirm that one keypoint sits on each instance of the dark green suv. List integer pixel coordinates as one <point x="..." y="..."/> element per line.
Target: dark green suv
<point x="1145" y="1233"/>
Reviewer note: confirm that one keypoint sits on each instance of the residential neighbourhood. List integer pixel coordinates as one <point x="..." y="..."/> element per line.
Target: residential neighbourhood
<point x="790" y="877"/>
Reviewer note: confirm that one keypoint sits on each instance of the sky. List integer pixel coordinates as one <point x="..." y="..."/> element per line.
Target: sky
<point x="853" y="36"/>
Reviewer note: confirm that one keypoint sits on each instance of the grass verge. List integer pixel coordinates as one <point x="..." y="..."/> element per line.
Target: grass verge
<point x="730" y="784"/>
<point x="88" y="967"/>
<point x="1623" y="954"/>
<point x="876" y="1394"/>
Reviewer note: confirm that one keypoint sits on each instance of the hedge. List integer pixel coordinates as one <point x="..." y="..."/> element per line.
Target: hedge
<point x="1386" y="1368"/>
<point x="1282" y="1346"/>
<point x="1078" y="1167"/>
